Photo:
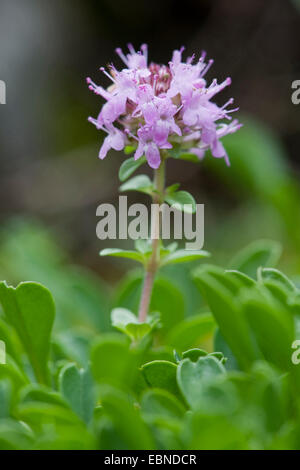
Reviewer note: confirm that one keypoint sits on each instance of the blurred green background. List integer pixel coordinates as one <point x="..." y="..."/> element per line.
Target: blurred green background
<point x="51" y="180"/>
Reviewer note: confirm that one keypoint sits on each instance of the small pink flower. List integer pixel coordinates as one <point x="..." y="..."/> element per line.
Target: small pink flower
<point x="148" y="146"/>
<point x="115" y="139"/>
<point x="164" y="123"/>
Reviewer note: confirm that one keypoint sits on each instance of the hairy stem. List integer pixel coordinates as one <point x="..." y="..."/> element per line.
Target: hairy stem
<point x="153" y="264"/>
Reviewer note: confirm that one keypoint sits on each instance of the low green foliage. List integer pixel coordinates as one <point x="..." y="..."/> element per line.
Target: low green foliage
<point x="212" y="373"/>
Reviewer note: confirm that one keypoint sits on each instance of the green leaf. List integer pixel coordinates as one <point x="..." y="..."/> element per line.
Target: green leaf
<point x="221" y="292"/>
<point x="129" y="166"/>
<point x="257" y="254"/>
<point x="278" y="291"/>
<point x="218" y="355"/>
<point x="12" y="371"/>
<point x="191" y="332"/>
<point x="5" y="398"/>
<point x="40" y="393"/>
<point x="140" y="183"/>
<point x="168" y="301"/>
<point x="161" y="374"/>
<point x="171" y="247"/>
<point x="12" y="343"/>
<point x="40" y="414"/>
<point x="269" y="393"/>
<point x="241" y="277"/>
<point x="112" y="362"/>
<point x="166" y="250"/>
<point x="221" y="345"/>
<point x="160" y="403"/>
<point x="126" y="420"/>
<point x="76" y="387"/>
<point x="15" y="435"/>
<point x="125" y="321"/>
<point x="265" y="274"/>
<point x="181" y="276"/>
<point x="193" y="354"/>
<point x="121" y="317"/>
<point x="183" y="256"/>
<point x="173" y="188"/>
<point x="30" y="309"/>
<point x="73" y="346"/>
<point x="272" y="326"/>
<point x="182" y="200"/>
<point x="179" y="154"/>
<point x="213" y="431"/>
<point x="143" y="246"/>
<point x="136" y="256"/>
<point x="192" y="377"/>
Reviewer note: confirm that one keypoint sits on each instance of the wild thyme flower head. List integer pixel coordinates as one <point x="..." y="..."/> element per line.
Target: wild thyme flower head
<point x="155" y="107"/>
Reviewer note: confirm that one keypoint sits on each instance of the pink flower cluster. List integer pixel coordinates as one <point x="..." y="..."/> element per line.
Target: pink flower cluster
<point x="155" y="107"/>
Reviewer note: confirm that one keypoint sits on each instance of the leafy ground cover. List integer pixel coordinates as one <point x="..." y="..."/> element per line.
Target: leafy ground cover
<point x="211" y="370"/>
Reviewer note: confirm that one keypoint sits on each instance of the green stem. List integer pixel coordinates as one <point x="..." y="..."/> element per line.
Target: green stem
<point x="153" y="264"/>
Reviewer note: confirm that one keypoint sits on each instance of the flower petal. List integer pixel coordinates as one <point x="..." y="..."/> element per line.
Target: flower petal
<point x="106" y="146"/>
<point x="153" y="155"/>
<point x="139" y="151"/>
<point x="117" y="141"/>
<point x="161" y="132"/>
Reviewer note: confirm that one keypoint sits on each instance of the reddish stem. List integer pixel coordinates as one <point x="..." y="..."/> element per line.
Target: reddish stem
<point x="153" y="263"/>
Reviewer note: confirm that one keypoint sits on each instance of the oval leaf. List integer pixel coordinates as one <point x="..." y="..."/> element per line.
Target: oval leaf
<point x="256" y="254"/>
<point x="135" y="255"/>
<point x="140" y="183"/>
<point x="76" y="387"/>
<point x="30" y="309"/>
<point x="184" y="256"/>
<point x="129" y="166"/>
<point x="182" y="200"/>
<point x="125" y="321"/>
<point x="161" y="374"/>
<point x="194" y="376"/>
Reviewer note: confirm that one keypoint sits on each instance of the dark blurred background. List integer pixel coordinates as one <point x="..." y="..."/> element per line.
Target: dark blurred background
<point x="49" y="170"/>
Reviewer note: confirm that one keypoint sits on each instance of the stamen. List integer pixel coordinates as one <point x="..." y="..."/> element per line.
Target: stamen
<point x="230" y="101"/>
<point x="131" y="48"/>
<point x="144" y="49"/>
<point x="107" y="74"/>
<point x="215" y="88"/>
<point x="232" y="110"/>
<point x="98" y="90"/>
<point x="190" y="59"/>
<point x="96" y="123"/>
<point x="121" y="55"/>
<point x="204" y="71"/>
<point x="127" y="131"/>
<point x="90" y="82"/>
<point x="202" y="57"/>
